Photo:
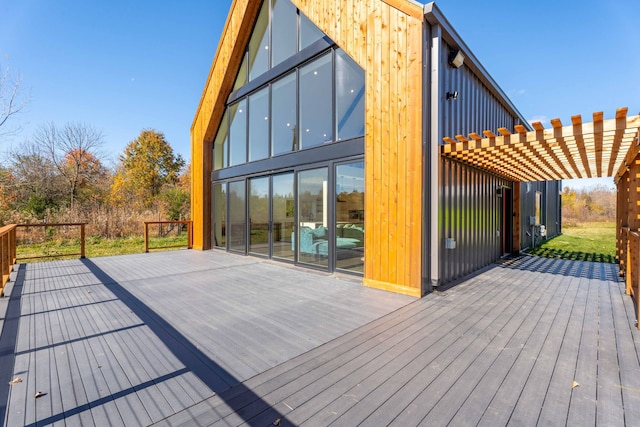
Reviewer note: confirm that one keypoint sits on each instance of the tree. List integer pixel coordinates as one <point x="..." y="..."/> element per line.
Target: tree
<point x="35" y="185"/>
<point x="147" y="165"/>
<point x="74" y="150"/>
<point x="11" y="101"/>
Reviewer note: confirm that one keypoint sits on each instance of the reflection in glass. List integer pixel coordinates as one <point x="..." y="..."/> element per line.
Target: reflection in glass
<point x="316" y="102"/>
<point x="284" y="137"/>
<point x="259" y="125"/>
<point x="350" y="217"/>
<point x="238" y="133"/>
<point x="236" y="233"/>
<point x="259" y="216"/>
<point x="219" y="215"/>
<point x="283" y="216"/>
<point x="309" y="33"/>
<point x="349" y="97"/>
<point x="220" y="145"/>
<point x="313" y="234"/>
<point x="283" y="31"/>
<point x="259" y="44"/>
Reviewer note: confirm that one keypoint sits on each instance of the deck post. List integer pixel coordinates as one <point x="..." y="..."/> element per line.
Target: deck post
<point x="146" y="237"/>
<point x="82" y="241"/>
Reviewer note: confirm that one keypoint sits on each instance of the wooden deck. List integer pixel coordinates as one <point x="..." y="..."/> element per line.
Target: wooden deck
<point x="193" y="338"/>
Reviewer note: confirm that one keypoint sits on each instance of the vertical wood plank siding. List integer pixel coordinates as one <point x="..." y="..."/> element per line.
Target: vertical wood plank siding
<point x="385" y="39"/>
<point x="470" y="213"/>
<point x="226" y="63"/>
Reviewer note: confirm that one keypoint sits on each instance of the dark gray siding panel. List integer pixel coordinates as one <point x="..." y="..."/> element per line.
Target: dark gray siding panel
<point x="552" y="219"/>
<point x="476" y="109"/>
<point x="470" y="212"/>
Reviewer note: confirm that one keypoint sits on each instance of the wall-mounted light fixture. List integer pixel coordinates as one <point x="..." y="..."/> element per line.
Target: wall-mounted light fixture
<point x="456" y="58"/>
<point x="452" y="95"/>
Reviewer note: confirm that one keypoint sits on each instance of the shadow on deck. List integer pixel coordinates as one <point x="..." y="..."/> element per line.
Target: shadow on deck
<point x="194" y="338"/>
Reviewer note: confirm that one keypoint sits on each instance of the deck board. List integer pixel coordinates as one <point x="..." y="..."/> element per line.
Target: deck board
<point x="107" y="340"/>
<point x="303" y="348"/>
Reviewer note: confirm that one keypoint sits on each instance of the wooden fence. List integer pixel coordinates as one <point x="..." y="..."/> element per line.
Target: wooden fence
<point x="189" y="225"/>
<point x="81" y="225"/>
<point x="7" y="253"/>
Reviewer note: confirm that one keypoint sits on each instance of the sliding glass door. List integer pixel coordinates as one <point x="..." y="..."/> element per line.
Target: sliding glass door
<point x="313" y="228"/>
<point x="312" y="217"/>
<point x="282" y="213"/>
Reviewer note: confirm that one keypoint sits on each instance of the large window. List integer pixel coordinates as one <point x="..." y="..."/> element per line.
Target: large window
<point x="220" y="215"/>
<point x="238" y="133"/>
<point x="283" y="31"/>
<point x="316" y="98"/>
<point x="320" y="102"/>
<point x="220" y="146"/>
<point x="284" y="113"/>
<point x="349" y="97"/>
<point x="259" y="125"/>
<point x="276" y="37"/>
<point x="258" y="52"/>
<point x="237" y="216"/>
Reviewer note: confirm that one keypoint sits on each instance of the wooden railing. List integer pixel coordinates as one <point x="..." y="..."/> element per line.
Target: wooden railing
<point x="189" y="225"/>
<point x="632" y="273"/>
<point x="7" y="253"/>
<point x="81" y="254"/>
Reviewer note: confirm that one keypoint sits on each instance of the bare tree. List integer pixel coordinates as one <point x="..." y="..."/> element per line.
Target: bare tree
<point x="75" y="150"/>
<point x="11" y="101"/>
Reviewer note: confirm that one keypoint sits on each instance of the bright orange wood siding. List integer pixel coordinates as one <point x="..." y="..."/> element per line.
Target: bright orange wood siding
<point x="226" y="63"/>
<point x="385" y="39"/>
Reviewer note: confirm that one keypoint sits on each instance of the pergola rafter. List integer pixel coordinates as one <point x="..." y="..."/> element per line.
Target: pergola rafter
<point x="602" y="148"/>
<point x="580" y="150"/>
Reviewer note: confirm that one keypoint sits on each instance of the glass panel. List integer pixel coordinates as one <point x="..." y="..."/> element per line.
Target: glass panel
<point x="284" y="137"/>
<point x="350" y="217"/>
<point x="349" y="97"/>
<point x="313" y="239"/>
<point x="238" y="133"/>
<point x="259" y="125"/>
<point x="283" y="31"/>
<point x="259" y="216"/>
<point x="241" y="79"/>
<point x="283" y="219"/>
<point x="316" y="102"/>
<point x="237" y="197"/>
<point x="259" y="44"/>
<point x="220" y="146"/>
<point x="309" y="33"/>
<point x="219" y="215"/>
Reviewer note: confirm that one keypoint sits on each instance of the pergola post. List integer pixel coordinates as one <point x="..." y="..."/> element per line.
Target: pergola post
<point x="622" y="220"/>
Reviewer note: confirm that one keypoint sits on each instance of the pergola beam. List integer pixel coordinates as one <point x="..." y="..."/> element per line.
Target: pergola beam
<point x="579" y="150"/>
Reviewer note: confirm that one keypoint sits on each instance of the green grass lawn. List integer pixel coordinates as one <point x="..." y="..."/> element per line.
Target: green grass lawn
<point x="594" y="241"/>
<point x="96" y="246"/>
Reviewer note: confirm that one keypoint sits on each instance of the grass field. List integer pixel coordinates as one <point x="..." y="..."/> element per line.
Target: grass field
<point x="594" y="241"/>
<point x="95" y="247"/>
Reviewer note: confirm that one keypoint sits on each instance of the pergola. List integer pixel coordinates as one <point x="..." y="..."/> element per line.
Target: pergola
<point x="602" y="148"/>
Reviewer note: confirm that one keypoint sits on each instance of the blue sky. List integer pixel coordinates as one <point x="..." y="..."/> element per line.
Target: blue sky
<point x="123" y="66"/>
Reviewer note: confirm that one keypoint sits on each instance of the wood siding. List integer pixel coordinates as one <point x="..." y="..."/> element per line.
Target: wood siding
<point x="226" y="63"/>
<point x="385" y="39"/>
